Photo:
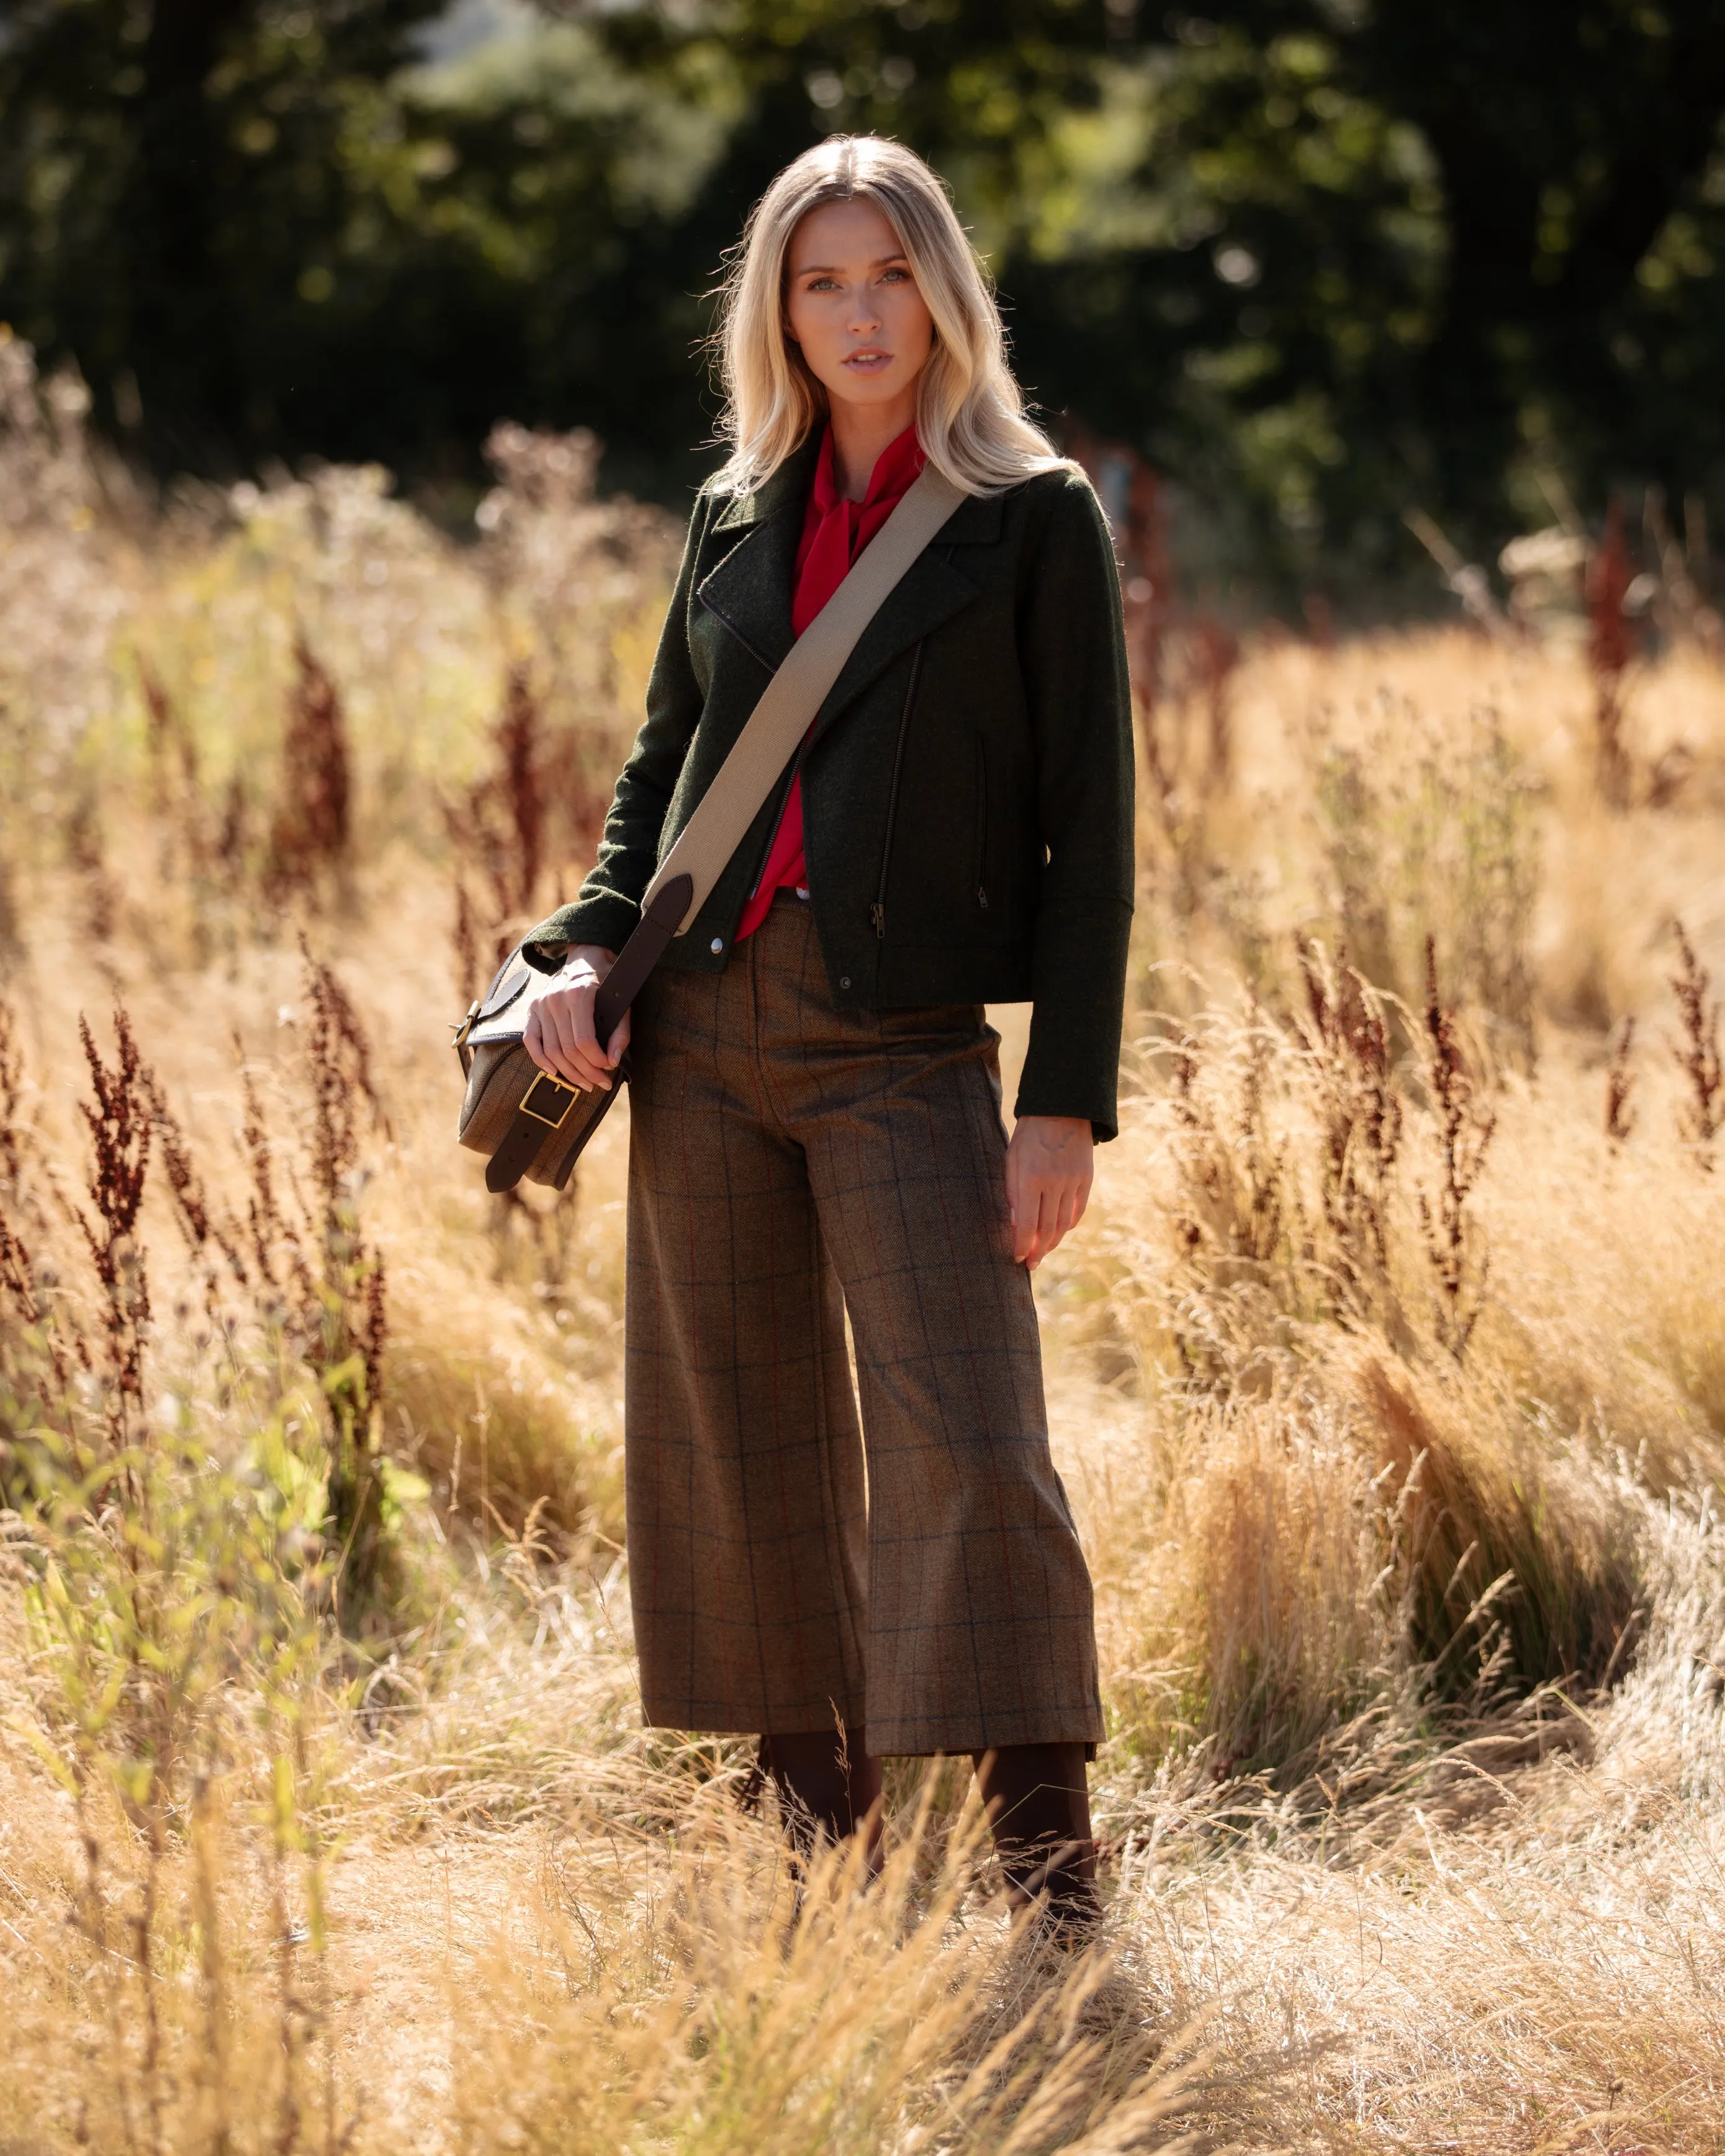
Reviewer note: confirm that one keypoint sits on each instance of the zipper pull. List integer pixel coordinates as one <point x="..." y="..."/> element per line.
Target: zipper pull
<point x="877" y="913"/>
<point x="982" y="898"/>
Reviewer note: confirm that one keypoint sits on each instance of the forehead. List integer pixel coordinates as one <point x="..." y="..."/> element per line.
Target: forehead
<point x="854" y="231"/>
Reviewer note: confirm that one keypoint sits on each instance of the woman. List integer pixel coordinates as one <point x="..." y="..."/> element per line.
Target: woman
<point x="815" y="1095"/>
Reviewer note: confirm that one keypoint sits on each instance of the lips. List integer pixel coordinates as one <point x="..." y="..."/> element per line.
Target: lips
<point x="867" y="362"/>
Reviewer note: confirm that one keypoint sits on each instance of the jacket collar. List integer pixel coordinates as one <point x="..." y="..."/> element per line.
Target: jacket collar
<point x="787" y="488"/>
<point x="750" y="589"/>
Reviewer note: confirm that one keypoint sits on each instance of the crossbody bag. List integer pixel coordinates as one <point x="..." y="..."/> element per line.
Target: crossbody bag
<point x="532" y="1124"/>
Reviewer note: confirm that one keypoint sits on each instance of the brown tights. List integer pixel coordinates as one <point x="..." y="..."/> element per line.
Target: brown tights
<point x="1036" y="1796"/>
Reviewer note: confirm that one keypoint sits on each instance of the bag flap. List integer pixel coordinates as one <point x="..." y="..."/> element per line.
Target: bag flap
<point x="503" y="1016"/>
<point x="512" y="975"/>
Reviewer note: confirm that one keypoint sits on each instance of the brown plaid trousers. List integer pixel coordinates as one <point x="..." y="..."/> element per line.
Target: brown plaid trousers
<point x="789" y="1161"/>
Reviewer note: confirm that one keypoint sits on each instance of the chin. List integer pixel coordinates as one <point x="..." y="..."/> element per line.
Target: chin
<point x="866" y="389"/>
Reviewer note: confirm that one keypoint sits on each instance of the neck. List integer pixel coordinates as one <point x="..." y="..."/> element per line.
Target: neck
<point x="860" y="433"/>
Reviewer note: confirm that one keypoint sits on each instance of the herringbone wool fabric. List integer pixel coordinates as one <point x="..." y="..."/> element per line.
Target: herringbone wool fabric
<point x="789" y="1160"/>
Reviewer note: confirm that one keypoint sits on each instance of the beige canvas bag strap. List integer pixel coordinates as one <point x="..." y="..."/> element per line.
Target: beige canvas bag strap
<point x="788" y="703"/>
<point x="721" y="821"/>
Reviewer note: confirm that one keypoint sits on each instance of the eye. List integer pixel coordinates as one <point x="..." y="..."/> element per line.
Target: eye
<point x="895" y="276"/>
<point x="820" y="284"/>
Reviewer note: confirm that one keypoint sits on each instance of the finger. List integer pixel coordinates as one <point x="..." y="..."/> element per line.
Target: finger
<point x="1023" y="1219"/>
<point x="1048" y="1214"/>
<point x="530" y="1041"/>
<point x="584" y="1065"/>
<point x="594" y="1058"/>
<point x="577" y="1003"/>
<point x="1036" y="1224"/>
<point x="583" y="1043"/>
<point x="580" y="1066"/>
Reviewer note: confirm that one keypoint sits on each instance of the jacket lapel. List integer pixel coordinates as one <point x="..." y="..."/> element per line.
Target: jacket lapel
<point x="750" y="590"/>
<point x="931" y="590"/>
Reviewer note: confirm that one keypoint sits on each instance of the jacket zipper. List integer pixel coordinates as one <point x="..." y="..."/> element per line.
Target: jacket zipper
<point x="982" y="826"/>
<point x="877" y="911"/>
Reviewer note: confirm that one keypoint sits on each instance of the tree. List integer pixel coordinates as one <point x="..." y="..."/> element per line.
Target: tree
<point x="1319" y="259"/>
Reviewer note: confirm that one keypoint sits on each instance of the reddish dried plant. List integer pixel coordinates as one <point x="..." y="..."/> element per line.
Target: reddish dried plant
<point x="1360" y="1117"/>
<point x="499" y="823"/>
<point x="581" y="806"/>
<point x="119" y="1120"/>
<point x="232" y="834"/>
<point x="1264" y="1161"/>
<point x="278" y="1258"/>
<point x="347" y="1333"/>
<point x="464" y="942"/>
<point x="1620" y="1085"/>
<point x="1702" y="1115"/>
<point x="517" y="740"/>
<point x="166" y="737"/>
<point x="498" y="831"/>
<point x="1148" y="577"/>
<point x="1233" y="1169"/>
<point x="1453" y="1242"/>
<point x="11" y="1100"/>
<point x="37" y="1351"/>
<point x="311" y="830"/>
<point x="1215" y="657"/>
<point x="1611" y="646"/>
<point x="208" y="1234"/>
<point x="1147" y="583"/>
<point x="159" y="724"/>
<point x="175" y="794"/>
<point x="32" y="1307"/>
<point x="87" y="856"/>
<point x="328" y="1283"/>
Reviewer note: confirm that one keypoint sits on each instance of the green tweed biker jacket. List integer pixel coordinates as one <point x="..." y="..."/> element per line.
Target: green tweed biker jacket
<point x="967" y="784"/>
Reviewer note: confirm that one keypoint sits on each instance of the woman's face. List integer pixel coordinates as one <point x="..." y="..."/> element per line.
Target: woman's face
<point x="852" y="305"/>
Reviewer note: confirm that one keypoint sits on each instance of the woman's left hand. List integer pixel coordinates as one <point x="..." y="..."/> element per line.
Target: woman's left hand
<point x="1049" y="1170"/>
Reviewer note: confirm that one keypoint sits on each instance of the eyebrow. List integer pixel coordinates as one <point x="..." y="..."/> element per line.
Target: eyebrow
<point x="830" y="269"/>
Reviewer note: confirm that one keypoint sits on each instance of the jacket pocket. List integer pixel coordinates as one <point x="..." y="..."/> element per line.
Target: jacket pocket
<point x="979" y="880"/>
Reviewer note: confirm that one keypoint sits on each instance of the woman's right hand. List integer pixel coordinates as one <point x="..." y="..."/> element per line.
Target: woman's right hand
<point x="559" y="1035"/>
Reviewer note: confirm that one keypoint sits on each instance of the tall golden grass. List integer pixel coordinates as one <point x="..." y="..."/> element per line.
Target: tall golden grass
<point x="1387" y="1376"/>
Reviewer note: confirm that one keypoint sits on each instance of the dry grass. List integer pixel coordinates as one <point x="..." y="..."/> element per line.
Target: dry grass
<point x="1399" y="1485"/>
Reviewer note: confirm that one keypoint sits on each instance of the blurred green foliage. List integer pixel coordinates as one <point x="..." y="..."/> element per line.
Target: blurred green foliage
<point x="1319" y="259"/>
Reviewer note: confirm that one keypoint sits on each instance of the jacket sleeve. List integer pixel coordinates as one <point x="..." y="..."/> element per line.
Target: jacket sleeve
<point x="608" y="904"/>
<point x="1072" y="652"/>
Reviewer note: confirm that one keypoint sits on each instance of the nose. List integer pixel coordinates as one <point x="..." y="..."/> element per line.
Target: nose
<point x="864" y="315"/>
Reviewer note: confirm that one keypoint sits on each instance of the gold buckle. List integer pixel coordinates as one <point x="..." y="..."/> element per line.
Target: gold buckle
<point x="551" y="1122"/>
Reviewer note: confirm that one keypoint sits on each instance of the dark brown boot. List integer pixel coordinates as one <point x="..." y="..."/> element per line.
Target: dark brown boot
<point x="828" y="1786"/>
<point x="1037" y="1800"/>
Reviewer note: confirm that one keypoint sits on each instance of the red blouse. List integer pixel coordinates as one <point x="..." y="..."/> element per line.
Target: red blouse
<point x="834" y="532"/>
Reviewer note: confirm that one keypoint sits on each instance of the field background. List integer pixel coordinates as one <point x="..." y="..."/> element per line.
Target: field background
<point x="1387" y="1376"/>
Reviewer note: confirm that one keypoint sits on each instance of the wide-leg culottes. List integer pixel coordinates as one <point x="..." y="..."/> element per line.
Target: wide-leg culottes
<point x="790" y="1161"/>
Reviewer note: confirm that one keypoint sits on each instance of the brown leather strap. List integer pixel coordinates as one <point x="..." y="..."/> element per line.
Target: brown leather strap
<point x="667" y="907"/>
<point x="520" y="1142"/>
<point x="516" y="1154"/>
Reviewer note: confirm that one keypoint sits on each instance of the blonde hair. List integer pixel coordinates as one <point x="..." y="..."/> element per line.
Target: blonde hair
<point x="970" y="411"/>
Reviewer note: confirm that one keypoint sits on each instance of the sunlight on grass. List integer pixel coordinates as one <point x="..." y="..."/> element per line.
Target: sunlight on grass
<point x="1386" y="1375"/>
